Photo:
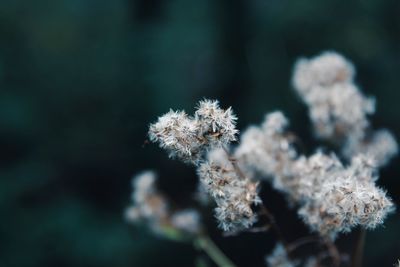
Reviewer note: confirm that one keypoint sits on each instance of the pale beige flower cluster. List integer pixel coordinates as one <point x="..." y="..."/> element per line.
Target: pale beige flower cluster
<point x="338" y="109"/>
<point x="331" y="197"/>
<point x="151" y="207"/>
<point x="190" y="137"/>
<point x="333" y="193"/>
<point x="233" y="195"/>
<point x="201" y="140"/>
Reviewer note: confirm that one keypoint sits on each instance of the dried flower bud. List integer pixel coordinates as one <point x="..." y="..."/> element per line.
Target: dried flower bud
<point x="381" y="145"/>
<point x="232" y="194"/>
<point x="324" y="70"/>
<point x="338" y="109"/>
<point x="177" y="133"/>
<point x="266" y="150"/>
<point x="335" y="199"/>
<point x="150" y="207"/>
<point x="218" y="126"/>
<point x="279" y="258"/>
<point x="148" y="204"/>
<point x="187" y="221"/>
<point x="345" y="203"/>
<point x="189" y="138"/>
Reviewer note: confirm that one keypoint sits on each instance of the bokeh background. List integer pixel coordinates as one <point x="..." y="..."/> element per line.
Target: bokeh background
<point x="80" y="80"/>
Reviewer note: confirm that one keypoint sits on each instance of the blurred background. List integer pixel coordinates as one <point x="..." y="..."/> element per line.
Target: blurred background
<point x="80" y="80"/>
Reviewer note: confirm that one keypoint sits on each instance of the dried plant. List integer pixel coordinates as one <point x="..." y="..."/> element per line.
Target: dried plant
<point x="333" y="193"/>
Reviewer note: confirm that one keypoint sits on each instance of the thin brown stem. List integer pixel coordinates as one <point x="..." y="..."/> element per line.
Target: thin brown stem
<point x="275" y="227"/>
<point x="357" y="255"/>
<point x="333" y="251"/>
<point x="259" y="229"/>
<point x="233" y="161"/>
<point x="303" y="241"/>
<point x="211" y="249"/>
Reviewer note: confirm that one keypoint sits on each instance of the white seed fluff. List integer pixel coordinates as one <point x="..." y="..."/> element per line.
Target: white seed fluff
<point x="324" y="70"/>
<point x="233" y="195"/>
<point x="279" y="258"/>
<point x="189" y="138"/>
<point x="338" y="109"/>
<point x="187" y="221"/>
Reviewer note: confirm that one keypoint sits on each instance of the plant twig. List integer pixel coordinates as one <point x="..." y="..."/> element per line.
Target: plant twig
<point x="233" y="161"/>
<point x="211" y="249"/>
<point x="357" y="255"/>
<point x="275" y="227"/>
<point x="303" y="241"/>
<point x="333" y="251"/>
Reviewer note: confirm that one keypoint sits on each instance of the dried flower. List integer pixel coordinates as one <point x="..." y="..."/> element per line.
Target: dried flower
<point x="266" y="150"/>
<point x="177" y="133"/>
<point x="338" y="109"/>
<point x="336" y="199"/>
<point x="218" y="126"/>
<point x="148" y="204"/>
<point x="189" y="138"/>
<point x="327" y="69"/>
<point x="380" y="145"/>
<point x="233" y="195"/>
<point x="151" y="207"/>
<point x="279" y="258"/>
<point x="187" y="221"/>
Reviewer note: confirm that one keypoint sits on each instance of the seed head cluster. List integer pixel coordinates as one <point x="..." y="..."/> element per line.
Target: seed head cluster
<point x="279" y="258"/>
<point x="333" y="193"/>
<point x="151" y="207"/>
<point x="337" y="107"/>
<point x="234" y="195"/>
<point x="188" y="138"/>
<point x="266" y="150"/>
<point x="331" y="197"/>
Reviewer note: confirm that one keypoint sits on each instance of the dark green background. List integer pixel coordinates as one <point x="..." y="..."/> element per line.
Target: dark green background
<point x="80" y="80"/>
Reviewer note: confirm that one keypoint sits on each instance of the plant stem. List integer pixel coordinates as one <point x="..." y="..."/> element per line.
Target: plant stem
<point x="333" y="251"/>
<point x="211" y="249"/>
<point x="238" y="171"/>
<point x="275" y="227"/>
<point x="357" y="255"/>
<point x="303" y="241"/>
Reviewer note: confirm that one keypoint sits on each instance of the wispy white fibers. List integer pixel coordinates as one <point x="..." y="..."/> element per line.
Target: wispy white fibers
<point x="189" y="138"/>
<point x="233" y="195"/>
<point x="151" y="207"/>
<point x="338" y="109"/>
<point x="279" y="258"/>
<point x="201" y="140"/>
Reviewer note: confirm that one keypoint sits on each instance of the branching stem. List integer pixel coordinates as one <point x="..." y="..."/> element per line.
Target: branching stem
<point x="212" y="250"/>
<point x="357" y="255"/>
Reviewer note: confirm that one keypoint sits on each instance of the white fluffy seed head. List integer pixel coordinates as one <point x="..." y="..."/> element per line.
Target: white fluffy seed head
<point x="148" y="203"/>
<point x="189" y="138"/>
<point x="151" y="207"/>
<point x="177" y="133"/>
<point x="381" y="145"/>
<point x="233" y="195"/>
<point x="338" y="109"/>
<point x="324" y="70"/>
<point x="335" y="199"/>
<point x="345" y="203"/>
<point x="186" y="221"/>
<point x="275" y="123"/>
<point x="266" y="150"/>
<point x="279" y="258"/>
<point x="218" y="125"/>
